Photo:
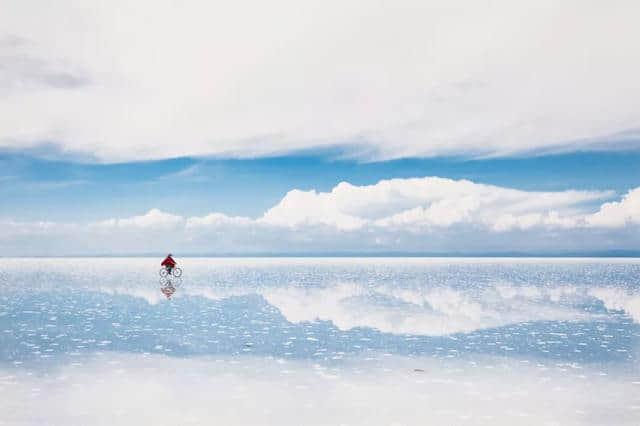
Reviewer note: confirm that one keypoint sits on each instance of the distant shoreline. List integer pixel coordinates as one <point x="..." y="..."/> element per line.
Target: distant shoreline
<point x="596" y="254"/>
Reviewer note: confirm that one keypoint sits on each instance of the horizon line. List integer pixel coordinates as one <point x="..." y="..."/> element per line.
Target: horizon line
<point x="356" y="254"/>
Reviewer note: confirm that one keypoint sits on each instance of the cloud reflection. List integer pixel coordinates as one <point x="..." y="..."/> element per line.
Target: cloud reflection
<point x="431" y="312"/>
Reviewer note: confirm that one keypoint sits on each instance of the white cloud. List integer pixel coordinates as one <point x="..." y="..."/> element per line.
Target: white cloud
<point x="217" y="220"/>
<point x="429" y="201"/>
<point x="618" y="214"/>
<point x="431" y="213"/>
<point x="311" y="208"/>
<point x="154" y="218"/>
<point x="136" y="80"/>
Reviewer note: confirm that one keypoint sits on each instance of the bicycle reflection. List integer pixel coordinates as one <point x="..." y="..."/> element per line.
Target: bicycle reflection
<point x="168" y="290"/>
<point x="170" y="283"/>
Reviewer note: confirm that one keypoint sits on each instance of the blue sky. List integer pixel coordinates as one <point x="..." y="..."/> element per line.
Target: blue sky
<point x="235" y="206"/>
<point x="36" y="188"/>
<point x="421" y="126"/>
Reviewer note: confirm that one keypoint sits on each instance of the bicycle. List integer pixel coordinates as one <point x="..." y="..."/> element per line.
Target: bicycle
<point x="175" y="272"/>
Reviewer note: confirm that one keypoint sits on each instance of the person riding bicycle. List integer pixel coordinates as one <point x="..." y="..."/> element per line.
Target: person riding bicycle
<point x="169" y="263"/>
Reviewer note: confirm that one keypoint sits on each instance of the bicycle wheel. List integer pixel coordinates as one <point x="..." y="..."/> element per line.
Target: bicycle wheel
<point x="164" y="272"/>
<point x="164" y="281"/>
<point x="177" y="272"/>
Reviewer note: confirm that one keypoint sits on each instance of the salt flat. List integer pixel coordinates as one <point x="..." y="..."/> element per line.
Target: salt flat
<point x="321" y="341"/>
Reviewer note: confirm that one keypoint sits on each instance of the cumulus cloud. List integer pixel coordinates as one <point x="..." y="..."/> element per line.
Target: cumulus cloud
<point x="312" y="208"/>
<point x="429" y="213"/>
<point x="434" y="202"/>
<point x="140" y="80"/>
<point x="216" y="220"/>
<point x="153" y="219"/>
<point x="618" y="213"/>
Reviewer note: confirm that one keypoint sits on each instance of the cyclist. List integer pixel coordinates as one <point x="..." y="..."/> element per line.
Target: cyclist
<point x="169" y="263"/>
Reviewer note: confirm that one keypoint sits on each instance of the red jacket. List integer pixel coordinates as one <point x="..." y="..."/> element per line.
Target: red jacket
<point x="168" y="262"/>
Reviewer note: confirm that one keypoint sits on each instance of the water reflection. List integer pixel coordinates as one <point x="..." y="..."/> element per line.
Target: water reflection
<point x="40" y="327"/>
<point x="169" y="284"/>
<point x="521" y="335"/>
<point x="168" y="290"/>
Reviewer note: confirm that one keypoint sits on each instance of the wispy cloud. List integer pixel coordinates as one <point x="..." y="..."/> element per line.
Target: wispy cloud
<point x="21" y="70"/>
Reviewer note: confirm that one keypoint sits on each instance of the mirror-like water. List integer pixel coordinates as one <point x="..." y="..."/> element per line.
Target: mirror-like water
<point x="320" y="341"/>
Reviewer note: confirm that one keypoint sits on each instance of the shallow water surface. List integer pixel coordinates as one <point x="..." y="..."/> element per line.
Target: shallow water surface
<point x="320" y="341"/>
